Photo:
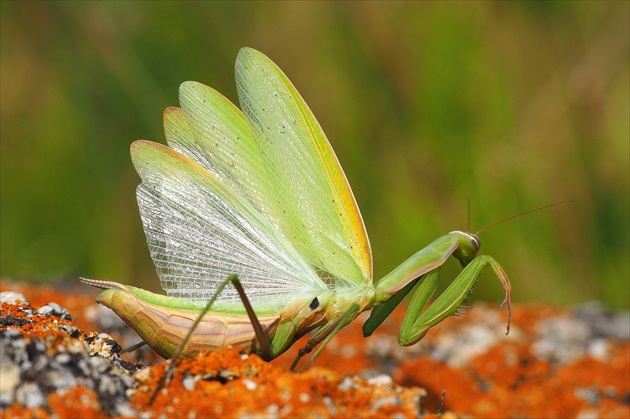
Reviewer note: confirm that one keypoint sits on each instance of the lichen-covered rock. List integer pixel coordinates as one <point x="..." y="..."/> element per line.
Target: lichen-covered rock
<point x="49" y="367"/>
<point x="555" y="363"/>
<point x="43" y="354"/>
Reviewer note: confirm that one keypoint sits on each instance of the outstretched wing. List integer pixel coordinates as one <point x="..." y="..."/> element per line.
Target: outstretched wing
<point x="279" y="160"/>
<point x="316" y="209"/>
<point x="199" y="232"/>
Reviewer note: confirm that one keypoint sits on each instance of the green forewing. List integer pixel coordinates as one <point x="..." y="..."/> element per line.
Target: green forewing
<point x="313" y="205"/>
<point x="257" y="193"/>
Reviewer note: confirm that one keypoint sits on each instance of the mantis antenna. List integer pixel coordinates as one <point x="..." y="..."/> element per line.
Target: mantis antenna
<point x="515" y="216"/>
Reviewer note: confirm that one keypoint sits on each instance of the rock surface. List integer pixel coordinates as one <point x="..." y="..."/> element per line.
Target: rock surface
<point x="555" y="363"/>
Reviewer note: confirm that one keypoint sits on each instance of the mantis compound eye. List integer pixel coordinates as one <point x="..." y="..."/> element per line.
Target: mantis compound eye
<point x="474" y="240"/>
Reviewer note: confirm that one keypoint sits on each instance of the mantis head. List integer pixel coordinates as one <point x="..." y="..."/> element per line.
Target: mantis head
<point x="468" y="248"/>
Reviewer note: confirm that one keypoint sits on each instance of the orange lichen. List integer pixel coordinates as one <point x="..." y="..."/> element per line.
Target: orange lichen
<point x="229" y="384"/>
<point x="17" y="411"/>
<point x="78" y="402"/>
<point x="508" y="378"/>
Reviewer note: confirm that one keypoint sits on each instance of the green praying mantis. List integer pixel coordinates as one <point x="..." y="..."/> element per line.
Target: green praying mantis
<point x="256" y="197"/>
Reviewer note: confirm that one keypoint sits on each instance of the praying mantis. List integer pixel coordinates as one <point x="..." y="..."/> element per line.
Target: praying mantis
<point x="255" y="197"/>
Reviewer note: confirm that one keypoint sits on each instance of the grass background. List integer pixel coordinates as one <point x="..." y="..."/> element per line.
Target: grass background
<point x="512" y="105"/>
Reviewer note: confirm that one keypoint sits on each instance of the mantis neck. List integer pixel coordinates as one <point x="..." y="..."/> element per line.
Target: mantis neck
<point x="422" y="262"/>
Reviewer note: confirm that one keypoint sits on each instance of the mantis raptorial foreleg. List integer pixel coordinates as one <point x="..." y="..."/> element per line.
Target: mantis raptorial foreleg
<point x="419" y="300"/>
<point x="415" y="325"/>
<point x="427" y="263"/>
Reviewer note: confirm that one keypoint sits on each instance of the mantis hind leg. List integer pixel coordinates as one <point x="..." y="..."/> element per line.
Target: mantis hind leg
<point x="263" y="341"/>
<point x="416" y="324"/>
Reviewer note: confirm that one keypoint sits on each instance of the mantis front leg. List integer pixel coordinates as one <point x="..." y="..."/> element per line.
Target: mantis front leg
<point x="419" y="275"/>
<point x="416" y="323"/>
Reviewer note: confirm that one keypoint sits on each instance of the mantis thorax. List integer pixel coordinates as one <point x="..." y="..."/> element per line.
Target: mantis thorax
<point x="343" y="299"/>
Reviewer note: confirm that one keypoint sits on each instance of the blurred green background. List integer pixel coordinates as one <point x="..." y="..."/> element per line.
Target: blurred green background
<point x="512" y="105"/>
